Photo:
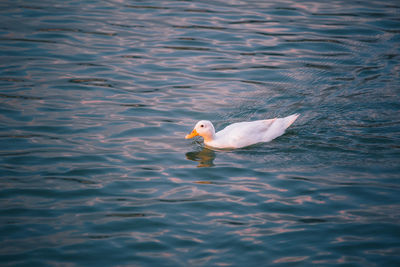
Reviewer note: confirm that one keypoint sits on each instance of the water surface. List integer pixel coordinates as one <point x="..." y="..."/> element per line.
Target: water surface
<point x="97" y="96"/>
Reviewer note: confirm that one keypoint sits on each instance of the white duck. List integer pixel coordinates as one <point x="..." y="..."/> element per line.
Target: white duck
<point x="242" y="134"/>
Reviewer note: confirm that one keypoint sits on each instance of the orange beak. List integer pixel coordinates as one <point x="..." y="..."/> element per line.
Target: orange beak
<point x="192" y="134"/>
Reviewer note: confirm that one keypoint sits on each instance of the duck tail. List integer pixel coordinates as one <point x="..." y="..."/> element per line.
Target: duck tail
<point x="287" y="121"/>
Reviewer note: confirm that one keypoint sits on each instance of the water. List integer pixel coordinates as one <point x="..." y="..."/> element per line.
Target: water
<point x="97" y="96"/>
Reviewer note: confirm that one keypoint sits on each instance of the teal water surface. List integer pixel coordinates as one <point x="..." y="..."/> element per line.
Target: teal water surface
<point x="97" y="96"/>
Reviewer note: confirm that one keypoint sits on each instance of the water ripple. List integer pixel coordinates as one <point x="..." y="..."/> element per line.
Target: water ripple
<point x="96" y="98"/>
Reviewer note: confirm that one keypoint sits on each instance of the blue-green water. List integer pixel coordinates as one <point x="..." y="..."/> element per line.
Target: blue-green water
<point x="97" y="96"/>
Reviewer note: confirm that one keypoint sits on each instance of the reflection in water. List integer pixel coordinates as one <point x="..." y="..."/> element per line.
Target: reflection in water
<point x="93" y="97"/>
<point x="205" y="157"/>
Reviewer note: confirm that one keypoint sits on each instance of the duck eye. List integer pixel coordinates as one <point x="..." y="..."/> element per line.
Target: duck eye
<point x="202" y="125"/>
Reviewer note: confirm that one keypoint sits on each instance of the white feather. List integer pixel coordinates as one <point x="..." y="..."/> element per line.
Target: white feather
<point x="243" y="134"/>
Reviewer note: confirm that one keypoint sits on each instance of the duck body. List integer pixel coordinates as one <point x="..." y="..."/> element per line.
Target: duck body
<point x="242" y="134"/>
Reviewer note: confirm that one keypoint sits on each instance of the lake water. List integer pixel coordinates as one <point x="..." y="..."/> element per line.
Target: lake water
<point x="97" y="96"/>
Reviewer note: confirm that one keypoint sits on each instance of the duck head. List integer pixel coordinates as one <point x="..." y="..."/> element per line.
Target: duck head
<point x="204" y="129"/>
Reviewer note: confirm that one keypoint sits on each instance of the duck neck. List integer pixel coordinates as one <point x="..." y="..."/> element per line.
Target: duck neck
<point x="209" y="137"/>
